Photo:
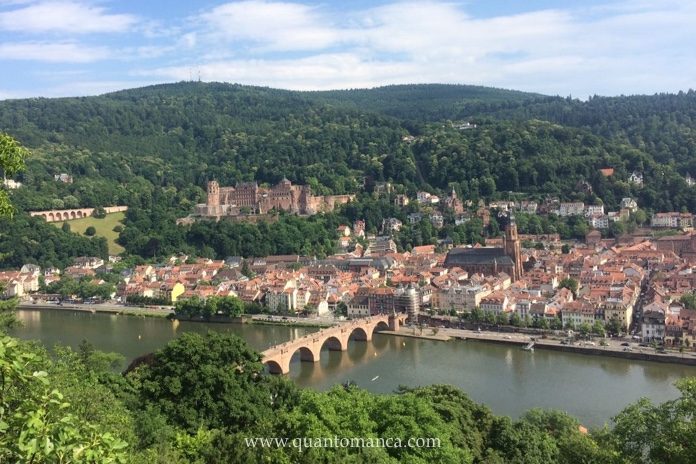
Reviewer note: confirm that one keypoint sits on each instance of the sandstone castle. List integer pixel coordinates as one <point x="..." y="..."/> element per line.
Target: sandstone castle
<point x="249" y="198"/>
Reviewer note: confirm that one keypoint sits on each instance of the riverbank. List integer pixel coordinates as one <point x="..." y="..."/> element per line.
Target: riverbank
<point x="99" y="308"/>
<point x="401" y="333"/>
<point x="614" y="349"/>
<point x="291" y="321"/>
<point x="107" y="308"/>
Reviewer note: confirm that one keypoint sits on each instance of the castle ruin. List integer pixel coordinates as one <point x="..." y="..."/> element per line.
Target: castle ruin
<point x="249" y="198"/>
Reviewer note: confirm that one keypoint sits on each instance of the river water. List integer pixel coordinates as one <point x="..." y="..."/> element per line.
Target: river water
<point x="505" y="378"/>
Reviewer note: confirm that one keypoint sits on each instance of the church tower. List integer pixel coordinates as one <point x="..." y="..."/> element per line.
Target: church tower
<point x="513" y="248"/>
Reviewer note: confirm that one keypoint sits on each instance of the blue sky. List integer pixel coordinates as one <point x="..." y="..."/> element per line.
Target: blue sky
<point x="604" y="47"/>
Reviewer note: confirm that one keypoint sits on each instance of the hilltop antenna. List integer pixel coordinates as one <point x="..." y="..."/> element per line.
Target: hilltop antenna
<point x="199" y="75"/>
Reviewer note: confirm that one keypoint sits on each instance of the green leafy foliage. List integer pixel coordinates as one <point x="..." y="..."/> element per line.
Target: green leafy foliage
<point x="648" y="433"/>
<point x="25" y="239"/>
<point x="12" y="158"/>
<point x="38" y="422"/>
<point x="195" y="307"/>
<point x="210" y="381"/>
<point x="8" y="317"/>
<point x="201" y="398"/>
<point x="84" y="288"/>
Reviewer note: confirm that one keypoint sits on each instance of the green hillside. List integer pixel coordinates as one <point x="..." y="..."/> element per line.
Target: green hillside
<point x="424" y="102"/>
<point x="154" y="149"/>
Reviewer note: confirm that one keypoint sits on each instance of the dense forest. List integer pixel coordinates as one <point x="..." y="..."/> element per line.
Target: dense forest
<point x="154" y="148"/>
<point x="166" y="409"/>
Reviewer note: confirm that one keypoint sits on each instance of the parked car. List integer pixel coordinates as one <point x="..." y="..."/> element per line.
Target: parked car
<point x="625" y="344"/>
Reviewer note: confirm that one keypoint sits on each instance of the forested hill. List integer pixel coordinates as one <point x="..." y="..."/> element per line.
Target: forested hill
<point x="423" y="102"/>
<point x="154" y="148"/>
<point x="183" y="134"/>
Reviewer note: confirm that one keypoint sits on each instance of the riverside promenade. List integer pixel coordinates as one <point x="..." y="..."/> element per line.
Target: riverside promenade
<point x="108" y="308"/>
<point x="614" y="347"/>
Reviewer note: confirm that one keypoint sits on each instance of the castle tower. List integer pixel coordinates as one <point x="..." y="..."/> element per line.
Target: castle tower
<point x="513" y="248"/>
<point x="213" y="194"/>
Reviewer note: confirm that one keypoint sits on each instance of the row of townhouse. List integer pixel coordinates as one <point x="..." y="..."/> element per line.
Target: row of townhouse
<point x="672" y="220"/>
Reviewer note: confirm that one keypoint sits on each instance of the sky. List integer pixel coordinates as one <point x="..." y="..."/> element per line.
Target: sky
<point x="55" y="48"/>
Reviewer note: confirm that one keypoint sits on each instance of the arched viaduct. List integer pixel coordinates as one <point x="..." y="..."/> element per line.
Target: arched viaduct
<point x="336" y="338"/>
<point x="56" y="215"/>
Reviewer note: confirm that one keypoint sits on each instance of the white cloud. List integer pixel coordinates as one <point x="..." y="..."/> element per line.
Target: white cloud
<point x="625" y="46"/>
<point x="325" y="71"/>
<point x="271" y="25"/>
<point x="65" y="52"/>
<point x="66" y="17"/>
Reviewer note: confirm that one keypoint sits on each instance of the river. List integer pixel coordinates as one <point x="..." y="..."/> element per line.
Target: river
<point x="505" y="378"/>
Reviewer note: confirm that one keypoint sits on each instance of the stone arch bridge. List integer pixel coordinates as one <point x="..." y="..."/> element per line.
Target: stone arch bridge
<point x="335" y="338"/>
<point x="56" y="215"/>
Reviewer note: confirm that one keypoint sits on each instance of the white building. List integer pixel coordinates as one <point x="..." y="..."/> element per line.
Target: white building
<point x="495" y="303"/>
<point x="636" y="178"/>
<point x="599" y="222"/>
<point x="672" y="220"/>
<point x="571" y="209"/>
<point x="459" y="297"/>
<point x="529" y="207"/>
<point x="281" y="300"/>
<point x="594" y="210"/>
<point x="437" y="220"/>
<point x="629" y="204"/>
<point x="391" y="225"/>
<point x="653" y="325"/>
<point x="11" y="184"/>
<point x="577" y="313"/>
<point x="358" y="306"/>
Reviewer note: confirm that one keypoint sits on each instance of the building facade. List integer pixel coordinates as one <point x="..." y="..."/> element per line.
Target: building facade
<point x="248" y="197"/>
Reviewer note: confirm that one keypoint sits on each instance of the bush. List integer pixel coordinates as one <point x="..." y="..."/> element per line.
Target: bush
<point x="91" y="231"/>
<point x="65" y="227"/>
<point x="118" y="229"/>
<point x="99" y="213"/>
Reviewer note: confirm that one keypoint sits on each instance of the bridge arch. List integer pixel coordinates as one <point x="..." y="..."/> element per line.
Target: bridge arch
<point x="306" y="354"/>
<point x="274" y="367"/>
<point x="333" y="343"/>
<point x="50" y="217"/>
<point x="360" y="334"/>
<point x="379" y="326"/>
<point x="73" y="215"/>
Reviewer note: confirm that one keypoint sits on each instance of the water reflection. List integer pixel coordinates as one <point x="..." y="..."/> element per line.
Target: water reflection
<point x="507" y="379"/>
